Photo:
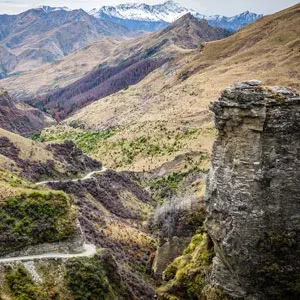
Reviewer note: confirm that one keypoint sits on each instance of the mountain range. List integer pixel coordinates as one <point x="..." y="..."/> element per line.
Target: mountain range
<point x="48" y="34"/>
<point x="153" y="17"/>
<point x="43" y="35"/>
<point x="110" y="143"/>
<point x="170" y="106"/>
<point x="134" y="62"/>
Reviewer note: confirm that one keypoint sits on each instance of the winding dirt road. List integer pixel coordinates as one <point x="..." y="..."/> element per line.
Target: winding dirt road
<point x="89" y="250"/>
<point x="86" y="177"/>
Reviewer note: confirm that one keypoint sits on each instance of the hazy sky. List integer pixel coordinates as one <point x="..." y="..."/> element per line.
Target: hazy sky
<point x="221" y="7"/>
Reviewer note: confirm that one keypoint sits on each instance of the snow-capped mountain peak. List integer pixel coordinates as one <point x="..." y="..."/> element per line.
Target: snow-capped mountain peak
<point x="48" y="9"/>
<point x="166" y="13"/>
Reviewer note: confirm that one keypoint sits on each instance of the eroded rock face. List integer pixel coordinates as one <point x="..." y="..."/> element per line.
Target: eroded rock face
<point x="253" y="201"/>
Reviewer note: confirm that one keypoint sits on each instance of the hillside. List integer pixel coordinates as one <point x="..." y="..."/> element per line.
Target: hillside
<point x="135" y="61"/>
<point x="40" y="36"/>
<point x="21" y="118"/>
<point x="36" y="161"/>
<point x="60" y="73"/>
<point x="169" y="108"/>
<point x="113" y="209"/>
<point x="125" y="170"/>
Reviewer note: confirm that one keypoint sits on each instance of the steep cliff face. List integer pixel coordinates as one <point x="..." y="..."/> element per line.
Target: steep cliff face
<point x="253" y="192"/>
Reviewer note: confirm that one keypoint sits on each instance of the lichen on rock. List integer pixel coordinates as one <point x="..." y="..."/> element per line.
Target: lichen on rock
<point x="252" y="197"/>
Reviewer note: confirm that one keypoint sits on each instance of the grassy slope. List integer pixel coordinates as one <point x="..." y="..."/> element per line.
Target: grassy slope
<point x="130" y="66"/>
<point x="175" y="98"/>
<point x="29" y="149"/>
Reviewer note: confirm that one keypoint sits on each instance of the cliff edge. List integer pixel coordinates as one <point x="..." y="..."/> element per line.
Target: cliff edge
<point x="252" y="197"/>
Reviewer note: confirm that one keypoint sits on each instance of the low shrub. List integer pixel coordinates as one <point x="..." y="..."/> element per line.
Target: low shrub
<point x="21" y="284"/>
<point x="35" y="217"/>
<point x="95" y="278"/>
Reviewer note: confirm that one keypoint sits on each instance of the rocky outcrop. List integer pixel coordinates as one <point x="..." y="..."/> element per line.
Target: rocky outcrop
<point x="174" y="223"/>
<point x="167" y="252"/>
<point x="253" y="192"/>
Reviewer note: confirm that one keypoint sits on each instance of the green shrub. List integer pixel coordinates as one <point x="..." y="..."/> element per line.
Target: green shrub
<point x="95" y="278"/>
<point x="87" y="140"/>
<point x="165" y="187"/>
<point x="35" y="217"/>
<point x="21" y="284"/>
<point x="187" y="277"/>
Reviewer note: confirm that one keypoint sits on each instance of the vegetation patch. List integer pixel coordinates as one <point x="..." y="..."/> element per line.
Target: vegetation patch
<point x="35" y="217"/>
<point x="88" y="141"/>
<point x="165" y="187"/>
<point x="21" y="284"/>
<point x="96" y="278"/>
<point x="187" y="277"/>
<point x="119" y="149"/>
<point x="90" y="278"/>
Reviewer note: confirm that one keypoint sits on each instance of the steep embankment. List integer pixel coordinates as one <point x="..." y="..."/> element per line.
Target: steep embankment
<point x="167" y="113"/>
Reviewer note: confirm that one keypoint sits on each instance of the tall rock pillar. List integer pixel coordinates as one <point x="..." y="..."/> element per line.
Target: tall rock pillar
<point x="253" y="194"/>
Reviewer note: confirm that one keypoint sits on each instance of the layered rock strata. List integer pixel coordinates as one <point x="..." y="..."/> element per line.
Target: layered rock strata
<point x="252" y="199"/>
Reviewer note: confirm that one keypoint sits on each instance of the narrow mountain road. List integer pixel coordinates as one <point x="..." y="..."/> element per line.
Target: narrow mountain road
<point x="86" y="177"/>
<point x="89" y="250"/>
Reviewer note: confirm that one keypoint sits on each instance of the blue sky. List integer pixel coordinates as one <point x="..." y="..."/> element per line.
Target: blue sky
<point x="222" y="7"/>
